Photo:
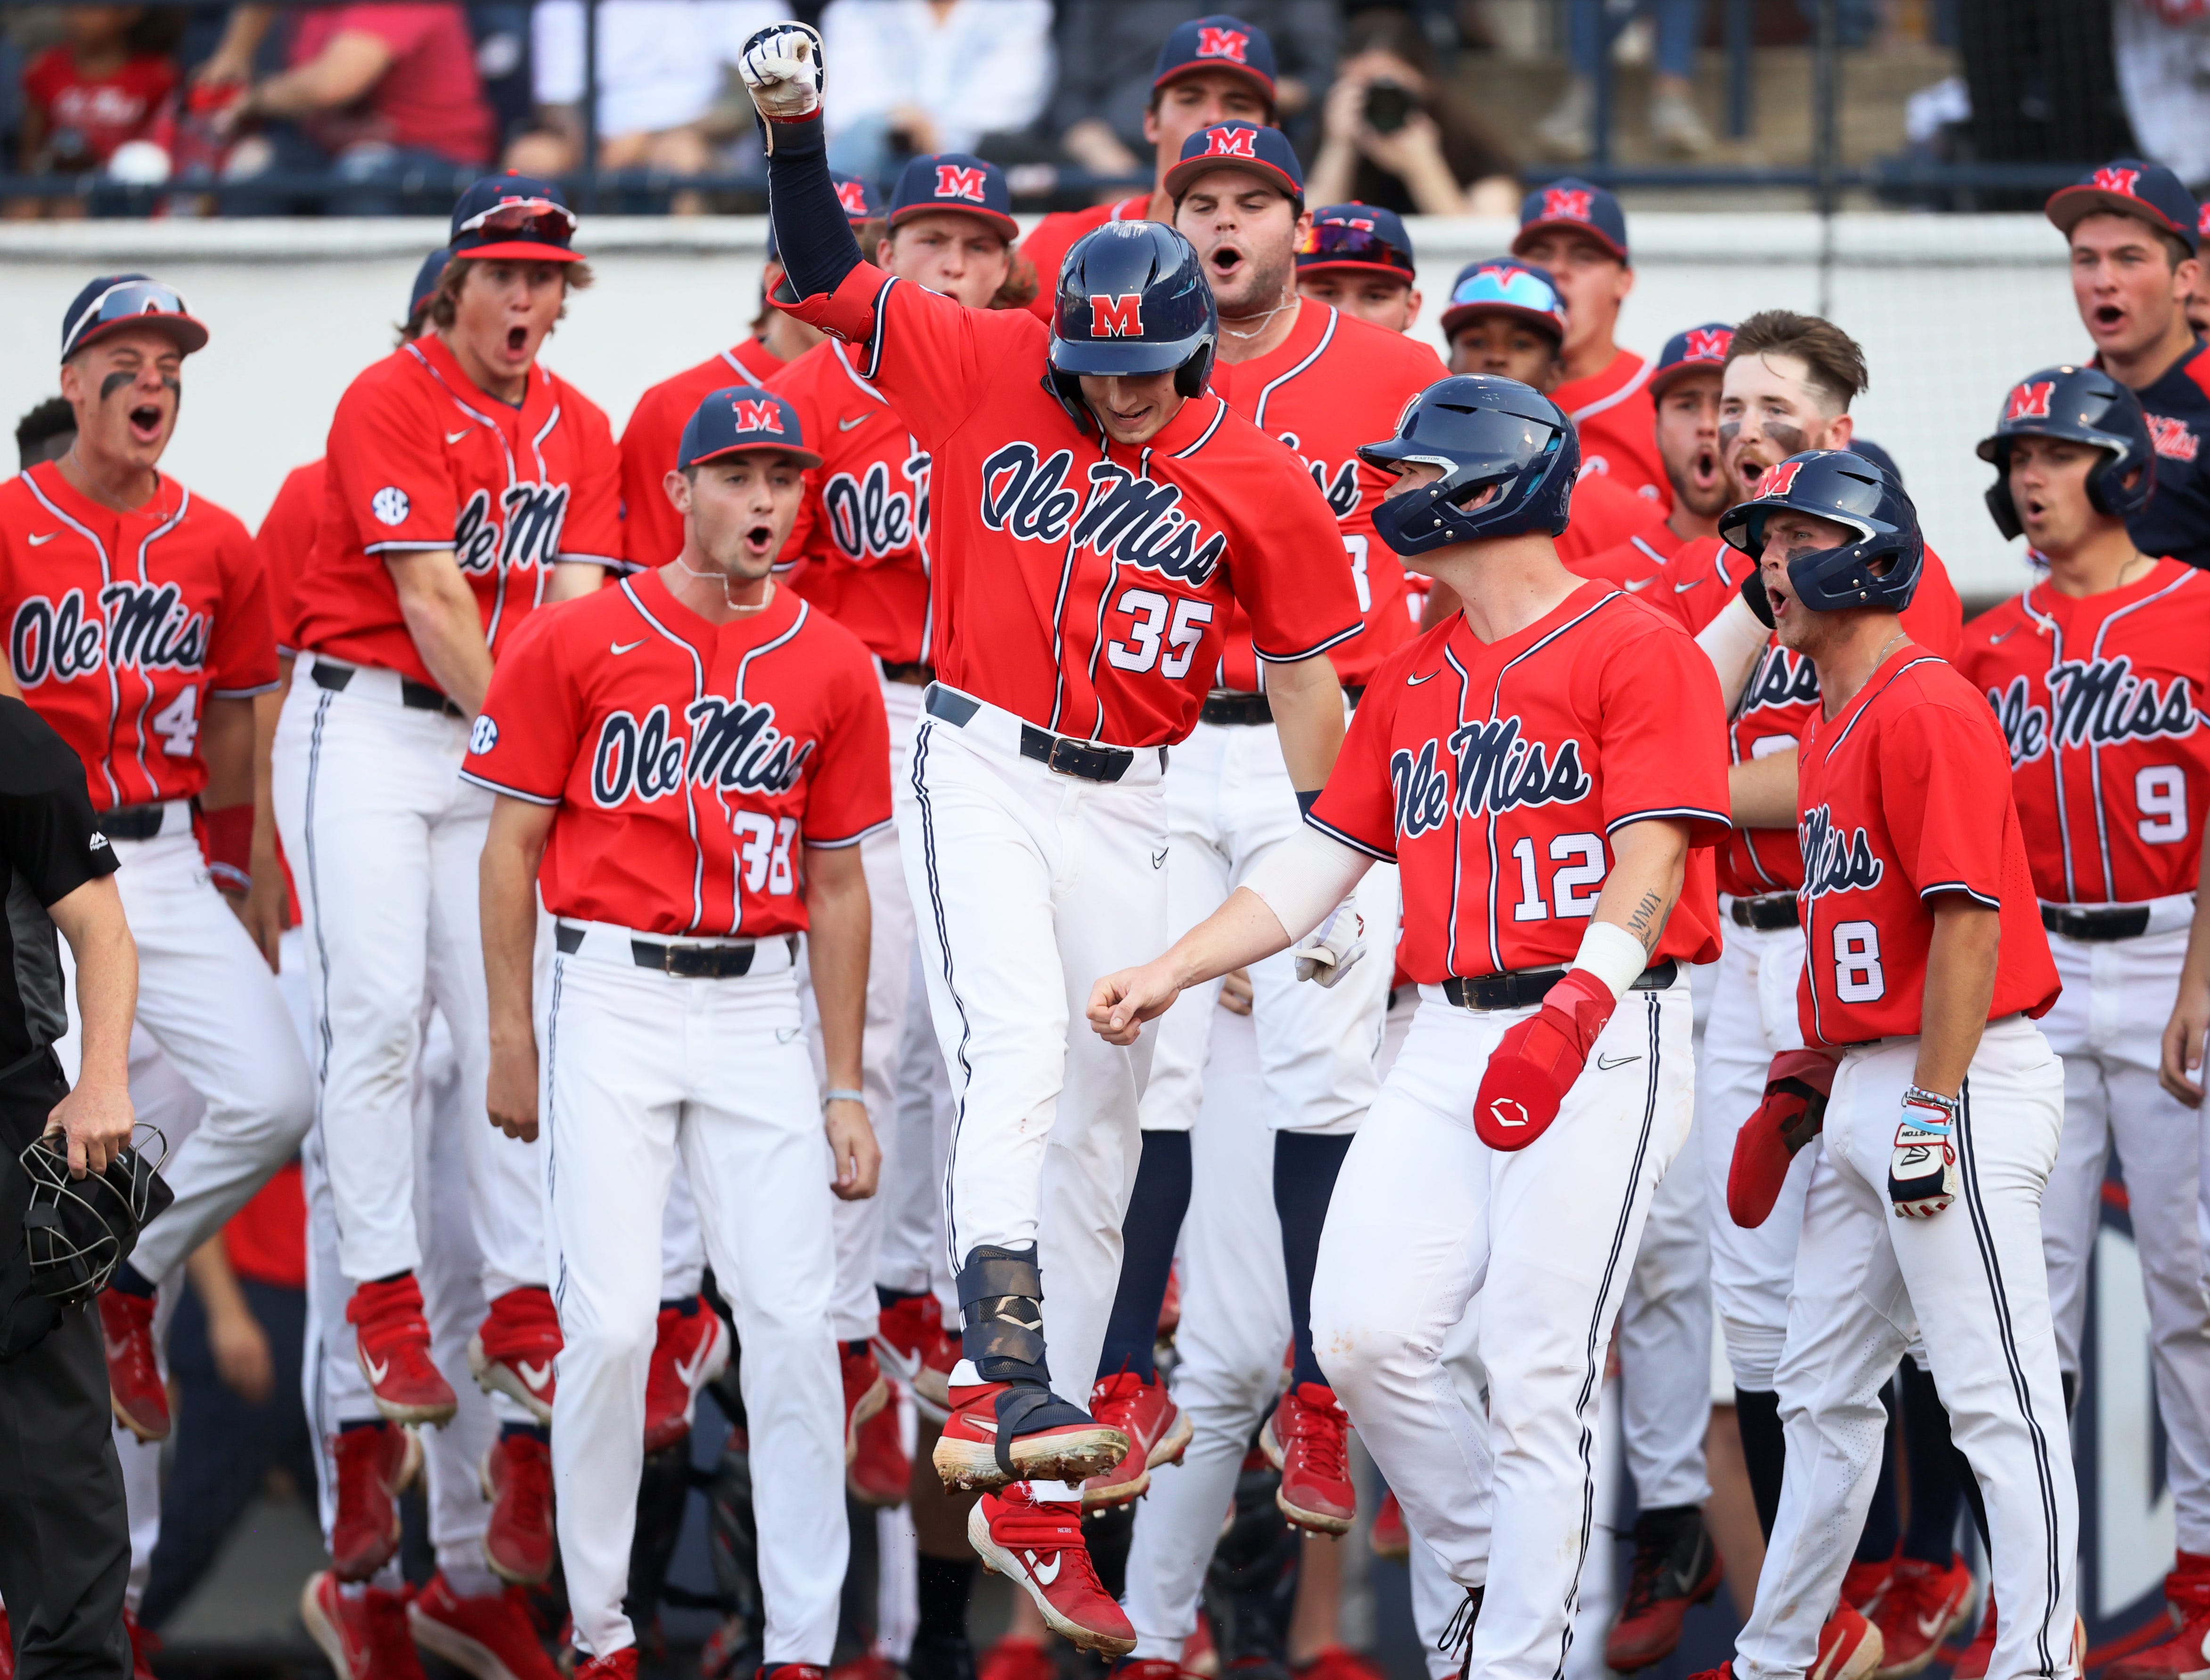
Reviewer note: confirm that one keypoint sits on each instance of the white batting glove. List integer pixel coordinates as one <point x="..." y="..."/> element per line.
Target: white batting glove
<point x="1922" y="1172"/>
<point x="1332" y="950"/>
<point x="781" y="68"/>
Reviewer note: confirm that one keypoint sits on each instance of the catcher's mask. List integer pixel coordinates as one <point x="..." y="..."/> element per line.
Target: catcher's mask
<point x="77" y="1231"/>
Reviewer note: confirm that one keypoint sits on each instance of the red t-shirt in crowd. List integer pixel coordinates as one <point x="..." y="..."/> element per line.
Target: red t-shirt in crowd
<point x="1604" y="513"/>
<point x="430" y="97"/>
<point x="266" y="1238"/>
<point x="1618" y="425"/>
<point x="101" y="111"/>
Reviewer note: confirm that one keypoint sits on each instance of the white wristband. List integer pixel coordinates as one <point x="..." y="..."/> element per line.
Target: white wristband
<point x="1613" y="954"/>
<point x="1732" y="642"/>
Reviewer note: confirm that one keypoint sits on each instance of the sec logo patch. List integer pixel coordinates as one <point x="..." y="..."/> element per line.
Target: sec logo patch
<point x="389" y="505"/>
<point x="483" y="735"/>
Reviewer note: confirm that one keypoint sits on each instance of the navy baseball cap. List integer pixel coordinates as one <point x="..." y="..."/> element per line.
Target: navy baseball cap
<point x="426" y="277"/>
<point x="954" y="181"/>
<point x="1505" y="286"/>
<point x="514" y="216"/>
<point x="1703" y="347"/>
<point x="1265" y="153"/>
<point x="113" y="301"/>
<point x="1572" y="203"/>
<point x="740" y="418"/>
<point x="2145" y="191"/>
<point x="1217" y="42"/>
<point x="1362" y="239"/>
<point x="1879" y="457"/>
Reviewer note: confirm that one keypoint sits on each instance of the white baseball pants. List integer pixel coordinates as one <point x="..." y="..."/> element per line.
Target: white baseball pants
<point x="207" y="1000"/>
<point x="914" y="1258"/>
<point x="1753" y="1020"/>
<point x="1229" y="802"/>
<point x="637" y="1066"/>
<point x="2107" y="1027"/>
<point x="384" y="841"/>
<point x="1664" y="1389"/>
<point x="1972" y="1281"/>
<point x="1028" y="885"/>
<point x="1427" y="1223"/>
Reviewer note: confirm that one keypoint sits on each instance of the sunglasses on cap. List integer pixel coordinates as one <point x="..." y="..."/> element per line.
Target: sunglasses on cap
<point x="126" y="300"/>
<point x="1339" y="241"/>
<point x="1513" y="285"/>
<point x="537" y="218"/>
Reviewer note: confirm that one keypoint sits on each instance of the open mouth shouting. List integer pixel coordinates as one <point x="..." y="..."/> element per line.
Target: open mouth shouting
<point x="148" y="420"/>
<point x="517" y="341"/>
<point x="760" y="542"/>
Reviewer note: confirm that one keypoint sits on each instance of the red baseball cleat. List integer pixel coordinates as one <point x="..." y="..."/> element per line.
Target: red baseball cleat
<point x="1335" y="1662"/>
<point x="513" y="1353"/>
<point x="490" y="1636"/>
<point x="362" y="1631"/>
<point x="392" y="1341"/>
<point x="864" y="1392"/>
<point x="1863" y="1585"/>
<point x="135" y="1387"/>
<point x="143" y="1645"/>
<point x="622" y="1666"/>
<point x="1924" y="1603"/>
<point x="1037" y="1545"/>
<point x="1306" y="1440"/>
<point x="913" y="1346"/>
<point x="1056" y="1442"/>
<point x="813" y="1671"/>
<point x="689" y="1351"/>
<point x="1148" y="1668"/>
<point x="1157" y="1431"/>
<point x="868" y="1667"/>
<point x="1849" y="1647"/>
<point x="881" y="1472"/>
<point x="1676" y="1565"/>
<point x="7" y="1647"/>
<point x="1200" y="1656"/>
<point x="1391" y="1539"/>
<point x="376" y="1463"/>
<point x="1014" y="1658"/>
<point x="517" y="1479"/>
<point x="2184" y="1656"/>
<point x="1972" y="1664"/>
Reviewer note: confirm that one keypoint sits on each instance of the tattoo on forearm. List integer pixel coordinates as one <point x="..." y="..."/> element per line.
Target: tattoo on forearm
<point x="1647" y="920"/>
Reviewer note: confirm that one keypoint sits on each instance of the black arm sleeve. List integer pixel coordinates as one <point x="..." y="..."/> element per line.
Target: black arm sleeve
<point x="811" y="236"/>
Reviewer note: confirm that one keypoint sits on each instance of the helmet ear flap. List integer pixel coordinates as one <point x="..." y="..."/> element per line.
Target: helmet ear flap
<point x="1190" y="376"/>
<point x="2004" y="511"/>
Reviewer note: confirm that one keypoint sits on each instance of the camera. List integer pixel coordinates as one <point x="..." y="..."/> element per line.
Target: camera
<point x="1388" y="105"/>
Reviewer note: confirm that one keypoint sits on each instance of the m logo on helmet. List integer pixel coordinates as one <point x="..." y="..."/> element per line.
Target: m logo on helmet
<point x="1565" y="204"/>
<point x="1779" y="481"/>
<point x="2029" y="402"/>
<point x="1230" y="143"/>
<point x="853" y="196"/>
<point x="1229" y="44"/>
<point x="1117" y="317"/>
<point x="953" y="182"/>
<point x="758" y="415"/>
<point x="1707" y="344"/>
<point x="2119" y="181"/>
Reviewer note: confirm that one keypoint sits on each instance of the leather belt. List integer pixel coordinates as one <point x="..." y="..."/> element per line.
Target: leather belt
<point x="2128" y="921"/>
<point x="1228" y="707"/>
<point x="413" y="696"/>
<point x="914" y="673"/>
<point x="1766" y="913"/>
<point x="1061" y="754"/>
<point x="1523" y="987"/>
<point x="132" y="822"/>
<point x="684" y="962"/>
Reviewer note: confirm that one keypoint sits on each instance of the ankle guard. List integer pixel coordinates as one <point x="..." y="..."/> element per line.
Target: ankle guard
<point x="1001" y="1302"/>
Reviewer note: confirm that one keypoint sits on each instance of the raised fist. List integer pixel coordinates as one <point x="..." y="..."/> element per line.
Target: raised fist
<point x="781" y="68"/>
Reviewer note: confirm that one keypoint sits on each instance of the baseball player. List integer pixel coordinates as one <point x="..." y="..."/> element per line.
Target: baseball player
<point x="651" y="529"/>
<point x="2097" y="677"/>
<point x="1684" y="389"/>
<point x="685" y="767"/>
<point x="1357" y="259"/>
<point x="138" y="627"/>
<point x="1215" y="68"/>
<point x="1539" y="767"/>
<point x="1924" y="968"/>
<point x="2135" y="262"/>
<point x="1578" y="233"/>
<point x="461" y="476"/>
<point x="1093" y="527"/>
<point x="1322" y="384"/>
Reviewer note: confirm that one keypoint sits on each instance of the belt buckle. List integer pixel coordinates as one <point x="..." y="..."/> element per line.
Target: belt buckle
<point x="1067" y="757"/>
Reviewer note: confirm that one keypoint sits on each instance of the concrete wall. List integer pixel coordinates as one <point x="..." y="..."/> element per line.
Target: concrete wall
<point x="1951" y="310"/>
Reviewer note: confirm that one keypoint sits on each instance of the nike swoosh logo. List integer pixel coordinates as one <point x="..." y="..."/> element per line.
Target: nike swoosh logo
<point x="1992" y="640"/>
<point x="1606" y="1066"/>
<point x="1934" y="1626"/>
<point x="1635" y="587"/>
<point x="783" y="1035"/>
<point x="688" y="1372"/>
<point x="1045" y="1577"/>
<point x="622" y="647"/>
<point x="856" y="420"/>
<point x="376" y="1372"/>
<point x="1414" y="682"/>
<point x="116" y="1349"/>
<point x="456" y="437"/>
<point x="534" y="1375"/>
<point x="984" y="1424"/>
<point x="40" y="542"/>
<point x="1158" y="858"/>
<point x="1683" y="588"/>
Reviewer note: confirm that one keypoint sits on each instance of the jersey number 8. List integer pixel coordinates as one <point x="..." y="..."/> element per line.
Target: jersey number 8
<point x="1857" y="977"/>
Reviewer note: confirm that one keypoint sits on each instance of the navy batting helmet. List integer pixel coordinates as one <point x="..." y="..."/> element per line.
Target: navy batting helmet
<point x="1134" y="299"/>
<point x="2088" y="407"/>
<point x="1481" y="429"/>
<point x="1850" y="490"/>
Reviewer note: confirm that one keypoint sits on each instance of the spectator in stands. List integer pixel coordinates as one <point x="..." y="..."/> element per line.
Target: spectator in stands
<point x="2044" y="86"/>
<point x="661" y="69"/>
<point x="1106" y="50"/>
<point x="385" y="96"/>
<point x="916" y="77"/>
<point x="1393" y="135"/>
<point x="2163" y="52"/>
<point x="103" y="84"/>
<point x="1675" y="126"/>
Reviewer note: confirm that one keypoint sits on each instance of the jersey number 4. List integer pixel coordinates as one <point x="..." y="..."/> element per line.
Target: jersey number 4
<point x="178" y="722"/>
<point x="1151" y="630"/>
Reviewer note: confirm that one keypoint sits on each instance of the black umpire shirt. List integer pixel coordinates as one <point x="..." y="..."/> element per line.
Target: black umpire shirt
<point x="50" y="846"/>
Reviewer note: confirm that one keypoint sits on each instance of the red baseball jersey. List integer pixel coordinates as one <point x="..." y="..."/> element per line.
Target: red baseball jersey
<point x="286" y="542"/>
<point x="689" y="761"/>
<point x="121" y="627"/>
<point x="1637" y="564"/>
<point x="861" y="544"/>
<point x="1617" y="421"/>
<point x="652" y="531"/>
<point x="2101" y="699"/>
<point x="1334" y="383"/>
<point x="1050" y="240"/>
<point x="1603" y="514"/>
<point x="1495" y="775"/>
<point x="1904" y="796"/>
<point x="419" y="459"/>
<point x="1082" y="584"/>
<point x="87" y="117"/>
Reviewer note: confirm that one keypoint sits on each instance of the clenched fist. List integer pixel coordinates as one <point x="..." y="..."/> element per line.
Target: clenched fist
<point x="781" y="68"/>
